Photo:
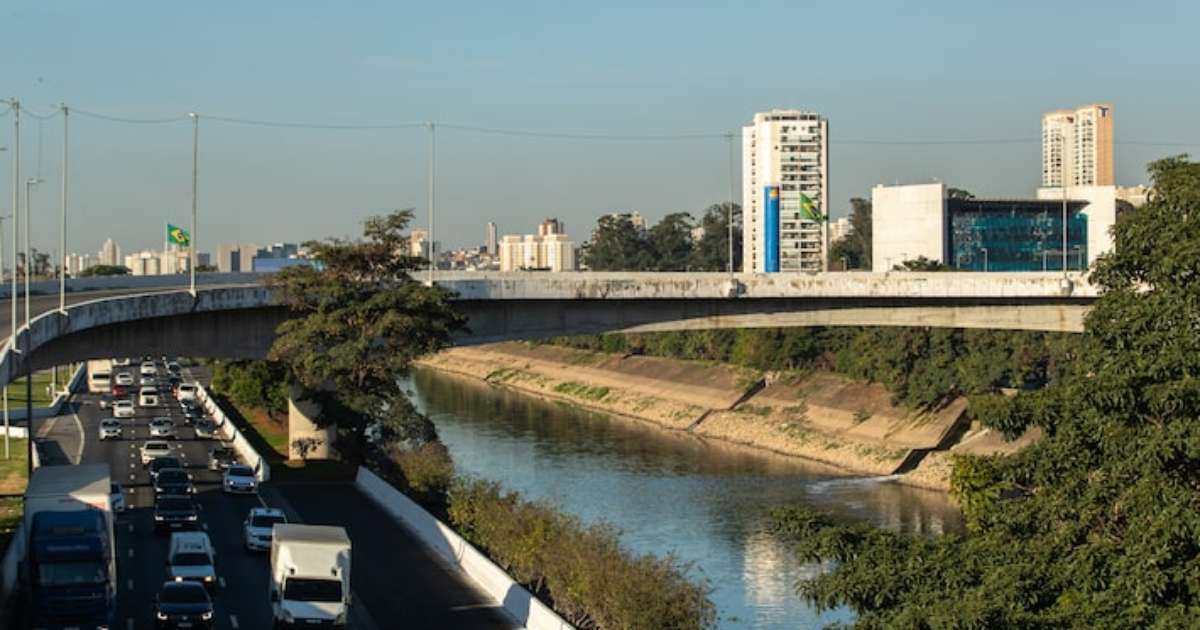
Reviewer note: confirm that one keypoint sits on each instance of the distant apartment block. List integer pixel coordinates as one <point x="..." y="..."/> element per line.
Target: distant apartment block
<point x="1077" y="146"/>
<point x="236" y="257"/>
<point x="785" y="189"/>
<point x="491" y="243"/>
<point x="551" y="249"/>
<point x="110" y="253"/>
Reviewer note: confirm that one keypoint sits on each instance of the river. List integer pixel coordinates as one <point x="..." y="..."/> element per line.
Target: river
<point x="667" y="492"/>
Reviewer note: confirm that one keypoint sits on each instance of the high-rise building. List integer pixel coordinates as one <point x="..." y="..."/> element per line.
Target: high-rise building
<point x="1078" y="143"/>
<point x="492" y="240"/>
<point x="551" y="226"/>
<point x="235" y="257"/>
<point x="785" y="191"/>
<point x="548" y="250"/>
<point x="110" y="253"/>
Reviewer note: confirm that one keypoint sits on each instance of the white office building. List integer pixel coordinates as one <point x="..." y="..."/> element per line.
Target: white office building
<point x="785" y="151"/>
<point x="551" y="249"/>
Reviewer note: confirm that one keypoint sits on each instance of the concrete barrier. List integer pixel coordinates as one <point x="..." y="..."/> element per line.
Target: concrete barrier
<point x="523" y="607"/>
<point x="230" y="433"/>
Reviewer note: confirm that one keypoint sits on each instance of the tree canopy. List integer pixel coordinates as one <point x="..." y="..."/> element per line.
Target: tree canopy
<point x="104" y="270"/>
<point x="361" y="320"/>
<point x="672" y="244"/>
<point x="921" y="263"/>
<point x="1096" y="525"/>
<point x="855" y="246"/>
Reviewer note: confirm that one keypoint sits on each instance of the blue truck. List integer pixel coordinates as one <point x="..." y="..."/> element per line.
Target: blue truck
<point x="70" y="570"/>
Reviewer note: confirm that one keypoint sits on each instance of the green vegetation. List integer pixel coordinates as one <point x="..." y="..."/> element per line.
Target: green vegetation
<point x="592" y="581"/>
<point x="617" y="244"/>
<point x="579" y="390"/>
<point x="13" y="471"/>
<point x="42" y="396"/>
<point x="921" y="263"/>
<point x="924" y="368"/>
<point x="104" y="270"/>
<point x="256" y="385"/>
<point x="1098" y="524"/>
<point x="853" y="251"/>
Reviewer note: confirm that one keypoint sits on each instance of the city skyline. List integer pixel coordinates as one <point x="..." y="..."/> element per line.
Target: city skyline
<point x="134" y="176"/>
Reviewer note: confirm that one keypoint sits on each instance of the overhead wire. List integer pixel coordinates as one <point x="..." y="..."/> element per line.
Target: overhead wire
<point x="585" y="136"/>
<point x="137" y="121"/>
<point x="301" y="125"/>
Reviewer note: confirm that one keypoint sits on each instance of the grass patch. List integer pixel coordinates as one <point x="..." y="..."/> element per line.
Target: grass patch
<point x="756" y="410"/>
<point x="11" y="510"/>
<point x="275" y="434"/>
<point x="579" y="390"/>
<point x="42" y="397"/>
<point x="13" y="470"/>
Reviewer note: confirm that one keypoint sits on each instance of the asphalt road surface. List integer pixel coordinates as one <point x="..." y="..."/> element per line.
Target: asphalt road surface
<point x="396" y="582"/>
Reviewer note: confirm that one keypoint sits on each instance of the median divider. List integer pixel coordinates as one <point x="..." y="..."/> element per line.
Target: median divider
<point x="230" y="433"/>
<point x="518" y="602"/>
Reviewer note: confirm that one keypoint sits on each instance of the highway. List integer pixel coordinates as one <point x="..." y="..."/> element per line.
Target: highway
<point x="395" y="582"/>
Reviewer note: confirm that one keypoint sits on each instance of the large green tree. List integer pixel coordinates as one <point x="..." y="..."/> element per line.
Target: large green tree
<point x="711" y="251"/>
<point x="1097" y="525"/>
<point x="670" y="242"/>
<point x="618" y="244"/>
<point x="360" y="320"/>
<point x="855" y="246"/>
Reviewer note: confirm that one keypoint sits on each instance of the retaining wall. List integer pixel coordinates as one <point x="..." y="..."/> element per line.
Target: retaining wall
<point x="522" y="606"/>
<point x="230" y="433"/>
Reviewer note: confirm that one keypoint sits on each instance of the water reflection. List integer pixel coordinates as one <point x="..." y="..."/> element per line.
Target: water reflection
<point x="705" y="502"/>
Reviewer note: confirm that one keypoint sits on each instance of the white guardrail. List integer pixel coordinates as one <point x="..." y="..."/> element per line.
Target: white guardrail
<point x="523" y="607"/>
<point x="231" y="433"/>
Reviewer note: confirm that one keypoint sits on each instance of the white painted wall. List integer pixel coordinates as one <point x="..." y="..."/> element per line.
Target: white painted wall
<point x="1101" y="214"/>
<point x="907" y="222"/>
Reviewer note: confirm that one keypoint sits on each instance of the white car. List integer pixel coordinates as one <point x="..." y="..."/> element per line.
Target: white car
<point x="239" y="479"/>
<point x="123" y="409"/>
<point x="110" y="428"/>
<point x="124" y="378"/>
<point x="153" y="449"/>
<point x="148" y="397"/>
<point x="116" y="497"/>
<point x="258" y="527"/>
<point x="191" y="557"/>
<point x="162" y="428"/>
<point x="186" y="391"/>
<point x="148" y="369"/>
<point x="121" y="362"/>
<point x="148" y="380"/>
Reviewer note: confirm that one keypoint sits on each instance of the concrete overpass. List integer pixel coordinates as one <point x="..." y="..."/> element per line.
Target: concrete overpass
<point x="232" y="315"/>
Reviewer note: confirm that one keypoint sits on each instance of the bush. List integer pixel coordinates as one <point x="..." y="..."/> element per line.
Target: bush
<point x="583" y="570"/>
<point x="428" y="471"/>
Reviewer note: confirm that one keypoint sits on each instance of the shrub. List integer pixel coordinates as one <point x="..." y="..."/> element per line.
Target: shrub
<point x="428" y="470"/>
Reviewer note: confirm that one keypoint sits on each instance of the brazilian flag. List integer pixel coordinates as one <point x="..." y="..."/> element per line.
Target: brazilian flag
<point x="809" y="210"/>
<point x="178" y="236"/>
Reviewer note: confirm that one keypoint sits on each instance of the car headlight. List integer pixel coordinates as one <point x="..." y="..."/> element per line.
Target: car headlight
<point x="162" y="616"/>
<point x="178" y="578"/>
<point x="206" y="615"/>
<point x="192" y="517"/>
<point x="158" y="517"/>
<point x="208" y="578"/>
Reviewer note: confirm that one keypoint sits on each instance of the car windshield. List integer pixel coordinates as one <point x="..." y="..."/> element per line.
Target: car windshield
<point x="124" y="403"/>
<point x="191" y="559"/>
<point x="114" y="488"/>
<point x="163" y="463"/>
<point x="266" y="520"/>
<point x="183" y="593"/>
<point x="172" y="475"/>
<point x="173" y="504"/>
<point x="309" y="590"/>
<point x="240" y="471"/>
<point x="157" y="446"/>
<point x="69" y="573"/>
<point x="110" y="424"/>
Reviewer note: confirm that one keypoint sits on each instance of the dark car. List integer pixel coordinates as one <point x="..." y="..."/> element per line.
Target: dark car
<point x="183" y="605"/>
<point x="173" y="481"/>
<point x="159" y="464"/>
<point x="221" y="458"/>
<point x="120" y="391"/>
<point x="175" y="511"/>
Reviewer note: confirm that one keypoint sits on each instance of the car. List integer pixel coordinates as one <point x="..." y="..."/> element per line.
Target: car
<point x="123" y="378"/>
<point x="148" y="369"/>
<point x="148" y="397"/>
<point x="174" y="367"/>
<point x="239" y="479"/>
<point x="257" y="528"/>
<point x="162" y="428"/>
<point x="159" y="464"/>
<point x="190" y="557"/>
<point x="182" y="605"/>
<point x="205" y="429"/>
<point x="174" y="381"/>
<point x="191" y="415"/>
<point x="119" y="391"/>
<point x="121" y="362"/>
<point x="123" y="409"/>
<point x="154" y="449"/>
<point x="110" y="428"/>
<point x="221" y="457"/>
<point x="186" y="391"/>
<point x="116" y="497"/>
<point x="147" y="381"/>
<point x="175" y="511"/>
<point x="173" y="481"/>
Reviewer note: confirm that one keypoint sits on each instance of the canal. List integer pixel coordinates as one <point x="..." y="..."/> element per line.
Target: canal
<point x="705" y="502"/>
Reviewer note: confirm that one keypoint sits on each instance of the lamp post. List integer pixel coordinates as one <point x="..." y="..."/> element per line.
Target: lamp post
<point x="1079" y="250"/>
<point x="62" y="269"/>
<point x="985" y="259"/>
<point x="195" y="171"/>
<point x="27" y="355"/>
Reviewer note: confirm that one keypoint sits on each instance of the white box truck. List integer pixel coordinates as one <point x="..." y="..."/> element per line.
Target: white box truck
<point x="99" y="376"/>
<point x="310" y="576"/>
<point x="70" y="566"/>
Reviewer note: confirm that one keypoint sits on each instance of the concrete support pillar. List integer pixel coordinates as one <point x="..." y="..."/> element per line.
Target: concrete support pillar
<point x="305" y="439"/>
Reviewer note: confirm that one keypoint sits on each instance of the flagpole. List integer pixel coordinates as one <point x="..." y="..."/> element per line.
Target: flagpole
<point x="192" y="236"/>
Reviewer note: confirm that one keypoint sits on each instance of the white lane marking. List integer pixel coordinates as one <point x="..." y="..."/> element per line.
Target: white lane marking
<point x="131" y="524"/>
<point x="129" y="624"/>
<point x="82" y="436"/>
<point x="233" y="622"/>
<point x="131" y="584"/>
<point x="131" y="465"/>
<point x="132" y="477"/>
<point x="260" y="500"/>
<point x="130" y="553"/>
<point x="221" y="581"/>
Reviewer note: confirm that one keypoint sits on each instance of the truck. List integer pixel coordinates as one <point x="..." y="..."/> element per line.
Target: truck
<point x="69" y="571"/>
<point x="99" y="376"/>
<point x="310" y="576"/>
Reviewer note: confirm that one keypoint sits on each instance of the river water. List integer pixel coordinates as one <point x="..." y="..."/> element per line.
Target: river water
<point x="705" y="502"/>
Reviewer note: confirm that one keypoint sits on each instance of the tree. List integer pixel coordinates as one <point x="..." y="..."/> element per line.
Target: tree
<point x="670" y="242"/>
<point x="711" y="251"/>
<point x="206" y="268"/>
<point x="958" y="193"/>
<point x="1097" y="524"/>
<point x="617" y="244"/>
<point x="360" y="320"/>
<point x="921" y="263"/>
<point x="855" y="246"/>
<point x="104" y="270"/>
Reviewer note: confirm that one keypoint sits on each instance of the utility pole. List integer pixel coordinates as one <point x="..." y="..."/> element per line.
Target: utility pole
<point x="729" y="216"/>
<point x="16" y="206"/>
<point x="27" y="356"/>
<point x="1063" y="139"/>
<point x="431" y="193"/>
<point x="62" y="269"/>
<point x="195" y="172"/>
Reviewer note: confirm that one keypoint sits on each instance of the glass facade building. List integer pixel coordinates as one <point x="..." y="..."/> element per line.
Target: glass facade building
<point x="1014" y="235"/>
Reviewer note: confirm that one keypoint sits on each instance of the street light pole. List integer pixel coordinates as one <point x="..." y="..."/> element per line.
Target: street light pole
<point x="432" y="198"/>
<point x="28" y="354"/>
<point x="62" y="269"/>
<point x="729" y="215"/>
<point x="195" y="171"/>
<point x="1063" y="140"/>
<point x="16" y="205"/>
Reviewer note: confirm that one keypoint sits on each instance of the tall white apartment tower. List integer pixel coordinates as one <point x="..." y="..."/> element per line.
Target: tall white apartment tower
<point x="110" y="253"/>
<point x="785" y="191"/>
<point x="492" y="241"/>
<point x="1079" y="143"/>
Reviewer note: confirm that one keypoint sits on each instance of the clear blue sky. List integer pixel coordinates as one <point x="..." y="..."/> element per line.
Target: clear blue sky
<point x="897" y="70"/>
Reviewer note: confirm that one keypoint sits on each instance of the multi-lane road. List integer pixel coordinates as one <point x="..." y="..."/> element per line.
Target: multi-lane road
<point x="396" y="583"/>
